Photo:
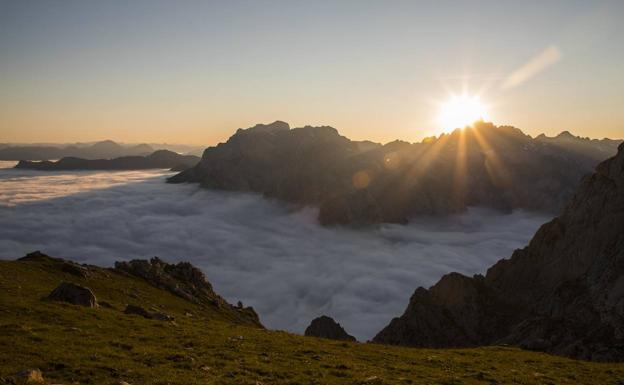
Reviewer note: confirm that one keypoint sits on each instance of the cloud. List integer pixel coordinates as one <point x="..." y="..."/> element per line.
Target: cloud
<point x="264" y="253"/>
<point x="534" y="66"/>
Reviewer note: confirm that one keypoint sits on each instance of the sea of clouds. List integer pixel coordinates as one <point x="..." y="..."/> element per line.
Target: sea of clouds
<point x="266" y="254"/>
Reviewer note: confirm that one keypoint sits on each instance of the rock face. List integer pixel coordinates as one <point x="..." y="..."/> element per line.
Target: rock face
<point x="158" y="159"/>
<point x="186" y="281"/>
<point x="326" y="327"/>
<point x="563" y="293"/>
<point x="74" y="294"/>
<point x="364" y="182"/>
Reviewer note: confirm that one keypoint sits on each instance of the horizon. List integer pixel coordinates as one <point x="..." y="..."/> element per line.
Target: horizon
<point x="191" y="73"/>
<point x="120" y="142"/>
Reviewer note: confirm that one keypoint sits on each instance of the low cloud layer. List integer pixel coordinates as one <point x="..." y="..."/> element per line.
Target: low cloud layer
<point x="255" y="250"/>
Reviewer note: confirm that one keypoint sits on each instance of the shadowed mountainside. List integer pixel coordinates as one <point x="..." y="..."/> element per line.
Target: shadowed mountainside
<point x="158" y="159"/>
<point x="563" y="293"/>
<point x="364" y="182"/>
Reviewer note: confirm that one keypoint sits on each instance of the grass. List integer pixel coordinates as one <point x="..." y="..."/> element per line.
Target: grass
<point x="73" y="344"/>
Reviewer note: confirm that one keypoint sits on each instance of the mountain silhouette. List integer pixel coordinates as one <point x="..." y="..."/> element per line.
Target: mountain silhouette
<point x="158" y="159"/>
<point x="364" y="182"/>
<point x="106" y="149"/>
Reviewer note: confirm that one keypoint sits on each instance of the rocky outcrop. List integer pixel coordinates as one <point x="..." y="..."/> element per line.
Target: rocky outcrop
<point x="69" y="267"/>
<point x="186" y="281"/>
<point x="364" y="182"/>
<point x="563" y="293"/>
<point x="74" y="294"/>
<point x="158" y="159"/>
<point x="326" y="327"/>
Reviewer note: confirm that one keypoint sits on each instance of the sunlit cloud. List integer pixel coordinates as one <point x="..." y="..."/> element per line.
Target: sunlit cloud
<point x="537" y="64"/>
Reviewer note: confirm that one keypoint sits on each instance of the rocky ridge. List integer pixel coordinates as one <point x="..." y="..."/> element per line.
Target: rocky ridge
<point x="363" y="182"/>
<point x="562" y="294"/>
<point x="186" y="281"/>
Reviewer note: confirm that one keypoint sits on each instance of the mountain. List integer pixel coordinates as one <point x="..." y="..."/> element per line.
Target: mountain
<point x="106" y="149"/>
<point x="562" y="294"/>
<point x="326" y="327"/>
<point x="363" y="182"/>
<point x="158" y="159"/>
<point x="598" y="149"/>
<point x="152" y="322"/>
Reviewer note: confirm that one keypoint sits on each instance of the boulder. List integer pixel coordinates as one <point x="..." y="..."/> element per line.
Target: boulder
<point x="74" y="294"/>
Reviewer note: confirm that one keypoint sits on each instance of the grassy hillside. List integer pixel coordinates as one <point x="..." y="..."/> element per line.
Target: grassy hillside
<point x="206" y="345"/>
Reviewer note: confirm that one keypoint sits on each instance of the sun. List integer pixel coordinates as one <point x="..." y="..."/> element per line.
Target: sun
<point x="461" y="111"/>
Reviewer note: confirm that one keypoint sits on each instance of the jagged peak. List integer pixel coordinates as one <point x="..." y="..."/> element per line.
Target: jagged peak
<point x="566" y="135"/>
<point x="276" y="126"/>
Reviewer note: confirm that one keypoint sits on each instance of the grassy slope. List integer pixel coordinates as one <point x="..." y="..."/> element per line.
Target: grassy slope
<point x="103" y="346"/>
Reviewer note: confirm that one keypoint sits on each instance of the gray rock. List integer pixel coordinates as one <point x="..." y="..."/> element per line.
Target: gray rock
<point x="74" y="294"/>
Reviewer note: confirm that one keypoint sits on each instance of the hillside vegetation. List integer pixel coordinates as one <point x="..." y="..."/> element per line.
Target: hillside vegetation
<point x="207" y="344"/>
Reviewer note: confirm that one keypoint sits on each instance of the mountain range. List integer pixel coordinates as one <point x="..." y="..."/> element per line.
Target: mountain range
<point x="361" y="182"/>
<point x="100" y="150"/>
<point x="157" y="159"/>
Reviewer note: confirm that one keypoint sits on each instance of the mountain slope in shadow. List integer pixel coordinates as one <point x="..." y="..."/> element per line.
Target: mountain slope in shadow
<point x="364" y="182"/>
<point x="563" y="293"/>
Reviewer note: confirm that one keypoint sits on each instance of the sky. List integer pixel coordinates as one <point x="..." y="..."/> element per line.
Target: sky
<point x="195" y="71"/>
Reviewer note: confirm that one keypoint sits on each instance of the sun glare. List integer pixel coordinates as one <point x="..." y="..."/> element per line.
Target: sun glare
<point x="461" y="111"/>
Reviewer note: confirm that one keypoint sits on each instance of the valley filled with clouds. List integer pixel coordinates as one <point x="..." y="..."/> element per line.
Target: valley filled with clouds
<point x="271" y="256"/>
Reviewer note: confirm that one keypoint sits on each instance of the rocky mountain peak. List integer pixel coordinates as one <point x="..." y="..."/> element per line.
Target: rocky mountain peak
<point x="326" y="327"/>
<point x="270" y="128"/>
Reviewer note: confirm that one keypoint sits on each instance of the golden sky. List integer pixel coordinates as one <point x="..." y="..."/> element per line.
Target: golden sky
<point x="193" y="72"/>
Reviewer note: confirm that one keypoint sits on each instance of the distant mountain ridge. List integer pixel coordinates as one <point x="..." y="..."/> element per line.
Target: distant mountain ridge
<point x="100" y="150"/>
<point x="158" y="159"/>
<point x="365" y="182"/>
<point x="563" y="293"/>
